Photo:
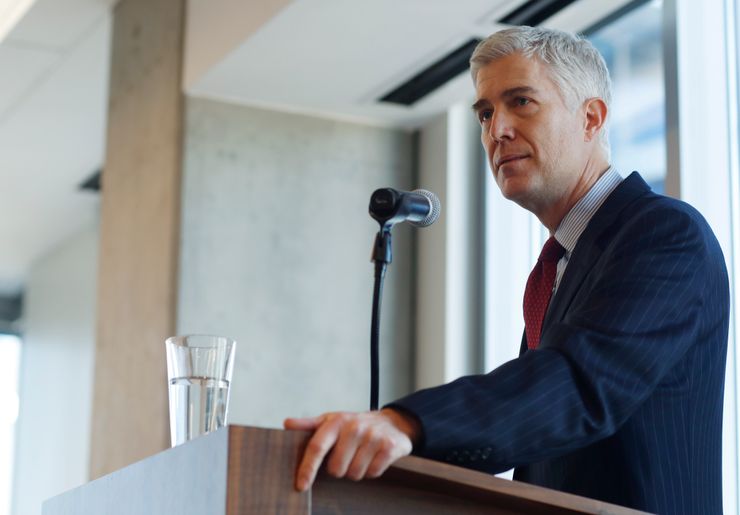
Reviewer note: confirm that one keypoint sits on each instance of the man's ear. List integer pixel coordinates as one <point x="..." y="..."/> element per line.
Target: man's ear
<point x="595" y="111"/>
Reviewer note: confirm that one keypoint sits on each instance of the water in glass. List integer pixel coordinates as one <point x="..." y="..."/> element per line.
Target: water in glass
<point x="198" y="405"/>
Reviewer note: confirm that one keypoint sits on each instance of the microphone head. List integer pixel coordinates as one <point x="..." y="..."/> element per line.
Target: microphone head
<point x="436" y="207"/>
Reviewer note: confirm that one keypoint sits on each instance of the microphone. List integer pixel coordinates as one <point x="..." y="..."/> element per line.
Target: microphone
<point x="419" y="207"/>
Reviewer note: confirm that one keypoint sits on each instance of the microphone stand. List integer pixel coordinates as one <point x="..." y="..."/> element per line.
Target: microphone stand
<point x="388" y="207"/>
<point x="382" y="255"/>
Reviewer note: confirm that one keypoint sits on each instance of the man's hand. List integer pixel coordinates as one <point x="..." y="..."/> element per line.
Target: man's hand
<point x="361" y="444"/>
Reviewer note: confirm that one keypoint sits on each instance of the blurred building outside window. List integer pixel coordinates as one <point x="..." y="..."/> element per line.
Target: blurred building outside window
<point x="632" y="46"/>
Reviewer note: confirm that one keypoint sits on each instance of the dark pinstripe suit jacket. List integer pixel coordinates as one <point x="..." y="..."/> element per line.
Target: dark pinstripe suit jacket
<point x="622" y="401"/>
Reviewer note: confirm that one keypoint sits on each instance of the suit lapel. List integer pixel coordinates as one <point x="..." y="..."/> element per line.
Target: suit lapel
<point x="587" y="250"/>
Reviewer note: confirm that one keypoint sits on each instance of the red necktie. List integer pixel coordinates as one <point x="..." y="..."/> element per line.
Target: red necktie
<point x="539" y="290"/>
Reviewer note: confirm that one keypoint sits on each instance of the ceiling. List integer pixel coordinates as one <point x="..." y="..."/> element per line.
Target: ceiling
<point x="53" y="95"/>
<point x="329" y="58"/>
<point x="335" y="58"/>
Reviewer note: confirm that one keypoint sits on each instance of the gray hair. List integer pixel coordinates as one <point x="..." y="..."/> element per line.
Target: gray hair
<point x="576" y="67"/>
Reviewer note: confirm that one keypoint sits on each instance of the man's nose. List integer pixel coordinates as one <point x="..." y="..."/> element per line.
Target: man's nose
<point x="500" y="127"/>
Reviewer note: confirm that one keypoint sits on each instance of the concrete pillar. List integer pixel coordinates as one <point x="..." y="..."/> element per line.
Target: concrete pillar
<point x="139" y="232"/>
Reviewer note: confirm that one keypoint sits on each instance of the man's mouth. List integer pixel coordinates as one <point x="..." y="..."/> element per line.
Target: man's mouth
<point x="509" y="158"/>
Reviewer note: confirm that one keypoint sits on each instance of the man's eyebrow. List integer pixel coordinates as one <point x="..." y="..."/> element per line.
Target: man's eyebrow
<point x="511" y="92"/>
<point x="519" y="90"/>
<point x="480" y="104"/>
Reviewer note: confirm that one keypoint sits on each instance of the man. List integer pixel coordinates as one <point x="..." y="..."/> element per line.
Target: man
<point x="617" y="394"/>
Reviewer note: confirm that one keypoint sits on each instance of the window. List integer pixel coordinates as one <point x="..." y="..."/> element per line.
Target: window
<point x="10" y="347"/>
<point x="631" y="44"/>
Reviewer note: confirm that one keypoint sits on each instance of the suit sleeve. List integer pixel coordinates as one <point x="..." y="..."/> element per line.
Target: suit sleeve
<point x="651" y="294"/>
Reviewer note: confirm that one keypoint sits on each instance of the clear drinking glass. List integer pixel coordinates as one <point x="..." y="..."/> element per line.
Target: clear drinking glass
<point x="199" y="369"/>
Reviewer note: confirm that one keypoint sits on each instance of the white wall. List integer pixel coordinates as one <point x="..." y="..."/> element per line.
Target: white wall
<point x="275" y="252"/>
<point x="53" y="430"/>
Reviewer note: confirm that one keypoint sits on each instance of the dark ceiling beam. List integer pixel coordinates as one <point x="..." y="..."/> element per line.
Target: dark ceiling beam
<point x="433" y="76"/>
<point x="534" y="12"/>
<point x="10" y="308"/>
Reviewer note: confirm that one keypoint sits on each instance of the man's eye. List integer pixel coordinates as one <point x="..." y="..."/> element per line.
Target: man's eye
<point x="522" y="101"/>
<point x="484" y="115"/>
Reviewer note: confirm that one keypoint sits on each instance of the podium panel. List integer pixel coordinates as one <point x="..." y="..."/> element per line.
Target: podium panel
<point x="249" y="471"/>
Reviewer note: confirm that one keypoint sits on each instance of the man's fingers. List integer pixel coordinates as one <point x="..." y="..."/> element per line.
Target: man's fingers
<point x="350" y="435"/>
<point x="379" y="464"/>
<point x="318" y="446"/>
<point x="361" y="444"/>
<point x="363" y="458"/>
<point x="303" y="424"/>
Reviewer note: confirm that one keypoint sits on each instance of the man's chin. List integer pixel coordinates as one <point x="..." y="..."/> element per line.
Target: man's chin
<point x="514" y="189"/>
<point x="520" y="192"/>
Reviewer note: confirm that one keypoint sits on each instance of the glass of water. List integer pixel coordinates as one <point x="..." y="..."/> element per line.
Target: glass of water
<point x="199" y="371"/>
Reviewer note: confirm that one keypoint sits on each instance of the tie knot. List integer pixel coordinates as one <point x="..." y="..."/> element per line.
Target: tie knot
<point x="552" y="251"/>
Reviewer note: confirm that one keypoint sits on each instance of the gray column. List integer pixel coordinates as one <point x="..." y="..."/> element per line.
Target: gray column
<point x="139" y="234"/>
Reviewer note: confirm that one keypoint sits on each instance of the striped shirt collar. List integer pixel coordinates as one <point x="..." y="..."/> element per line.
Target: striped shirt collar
<point x="575" y="222"/>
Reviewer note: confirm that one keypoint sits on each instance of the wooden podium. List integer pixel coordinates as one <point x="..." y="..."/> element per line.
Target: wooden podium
<point x="249" y="471"/>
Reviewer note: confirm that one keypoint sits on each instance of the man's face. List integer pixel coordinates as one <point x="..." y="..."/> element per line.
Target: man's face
<point x="534" y="142"/>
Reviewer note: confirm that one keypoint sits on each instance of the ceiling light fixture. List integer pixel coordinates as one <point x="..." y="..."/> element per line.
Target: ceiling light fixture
<point x="534" y="12"/>
<point x="433" y="76"/>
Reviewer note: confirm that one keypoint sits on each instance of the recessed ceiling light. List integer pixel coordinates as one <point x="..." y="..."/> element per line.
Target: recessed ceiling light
<point x="433" y="76"/>
<point x="534" y="12"/>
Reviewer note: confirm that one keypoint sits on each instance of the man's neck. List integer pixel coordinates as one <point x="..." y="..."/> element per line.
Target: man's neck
<point x="552" y="217"/>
